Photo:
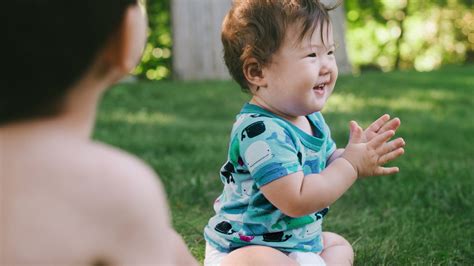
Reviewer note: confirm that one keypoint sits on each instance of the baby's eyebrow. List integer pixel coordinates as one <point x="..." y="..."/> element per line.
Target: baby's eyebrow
<point x="330" y="46"/>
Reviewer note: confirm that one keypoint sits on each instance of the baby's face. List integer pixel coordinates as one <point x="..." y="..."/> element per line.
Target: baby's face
<point x="302" y="74"/>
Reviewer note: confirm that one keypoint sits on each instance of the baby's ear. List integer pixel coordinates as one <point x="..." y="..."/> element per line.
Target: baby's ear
<point x="253" y="72"/>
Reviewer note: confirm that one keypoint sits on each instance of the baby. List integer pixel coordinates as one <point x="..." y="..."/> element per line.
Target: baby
<point x="283" y="169"/>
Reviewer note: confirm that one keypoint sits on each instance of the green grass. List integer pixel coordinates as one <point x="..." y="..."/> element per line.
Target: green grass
<point x="423" y="215"/>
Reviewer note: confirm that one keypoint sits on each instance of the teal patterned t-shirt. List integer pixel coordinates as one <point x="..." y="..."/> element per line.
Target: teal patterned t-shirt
<point x="263" y="147"/>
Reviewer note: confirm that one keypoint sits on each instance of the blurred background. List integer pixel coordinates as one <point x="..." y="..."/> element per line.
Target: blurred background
<point x="379" y="35"/>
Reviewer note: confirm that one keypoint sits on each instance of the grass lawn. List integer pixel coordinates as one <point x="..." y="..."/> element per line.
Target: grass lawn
<point x="423" y="215"/>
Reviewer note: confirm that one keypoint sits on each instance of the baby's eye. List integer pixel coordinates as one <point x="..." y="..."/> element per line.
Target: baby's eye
<point x="331" y="52"/>
<point x="312" y="55"/>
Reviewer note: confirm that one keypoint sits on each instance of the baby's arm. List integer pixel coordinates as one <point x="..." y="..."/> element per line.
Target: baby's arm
<point x="297" y="195"/>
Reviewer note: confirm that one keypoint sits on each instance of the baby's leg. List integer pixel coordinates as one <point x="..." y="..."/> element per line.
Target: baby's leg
<point x="258" y="255"/>
<point x="337" y="251"/>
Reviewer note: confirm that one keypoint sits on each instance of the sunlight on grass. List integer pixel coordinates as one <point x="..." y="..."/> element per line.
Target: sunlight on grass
<point x="402" y="103"/>
<point x="437" y="95"/>
<point x="344" y="103"/>
<point x="409" y="100"/>
<point x="140" y="117"/>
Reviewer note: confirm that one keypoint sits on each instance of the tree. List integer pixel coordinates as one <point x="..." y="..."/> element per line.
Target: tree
<point x="197" y="48"/>
<point x="338" y="18"/>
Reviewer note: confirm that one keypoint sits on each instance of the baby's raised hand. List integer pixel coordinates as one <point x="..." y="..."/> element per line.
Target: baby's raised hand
<point x="368" y="158"/>
<point x="381" y="125"/>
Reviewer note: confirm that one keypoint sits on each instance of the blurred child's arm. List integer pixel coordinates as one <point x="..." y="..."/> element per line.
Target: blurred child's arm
<point x="297" y="195"/>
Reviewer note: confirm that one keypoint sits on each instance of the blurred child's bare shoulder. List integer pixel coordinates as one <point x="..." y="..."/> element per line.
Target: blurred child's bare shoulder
<point x="125" y="174"/>
<point x="126" y="186"/>
<point x="116" y="161"/>
<point x="76" y="187"/>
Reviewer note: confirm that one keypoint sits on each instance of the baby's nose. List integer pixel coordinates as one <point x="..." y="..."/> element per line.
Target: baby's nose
<point x="324" y="69"/>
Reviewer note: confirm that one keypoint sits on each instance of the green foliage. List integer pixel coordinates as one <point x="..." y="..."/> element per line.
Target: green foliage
<point x="156" y="60"/>
<point x="423" y="215"/>
<point x="382" y="34"/>
<point x="405" y="34"/>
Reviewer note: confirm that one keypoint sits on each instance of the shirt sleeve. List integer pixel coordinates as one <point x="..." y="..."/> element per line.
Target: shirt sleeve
<point x="268" y="150"/>
<point x="330" y="144"/>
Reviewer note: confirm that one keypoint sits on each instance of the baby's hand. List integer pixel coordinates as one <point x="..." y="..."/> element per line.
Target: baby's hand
<point x="368" y="158"/>
<point x="381" y="125"/>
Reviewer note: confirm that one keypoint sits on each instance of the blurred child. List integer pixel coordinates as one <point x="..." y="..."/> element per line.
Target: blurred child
<point x="283" y="169"/>
<point x="66" y="199"/>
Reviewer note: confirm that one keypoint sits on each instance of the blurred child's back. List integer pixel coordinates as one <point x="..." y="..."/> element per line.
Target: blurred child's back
<point x="64" y="198"/>
<point x="67" y="200"/>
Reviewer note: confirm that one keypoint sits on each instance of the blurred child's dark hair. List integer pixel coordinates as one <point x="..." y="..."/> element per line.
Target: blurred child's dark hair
<point x="256" y="29"/>
<point x="47" y="46"/>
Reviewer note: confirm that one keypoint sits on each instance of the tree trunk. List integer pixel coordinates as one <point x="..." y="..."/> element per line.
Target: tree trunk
<point x="400" y="38"/>
<point x="338" y="19"/>
<point x="197" y="47"/>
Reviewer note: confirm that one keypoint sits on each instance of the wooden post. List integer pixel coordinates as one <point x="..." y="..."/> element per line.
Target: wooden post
<point x="197" y="48"/>
<point x="338" y="20"/>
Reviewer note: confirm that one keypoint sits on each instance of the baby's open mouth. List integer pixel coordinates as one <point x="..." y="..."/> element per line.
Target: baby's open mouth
<point x="320" y="86"/>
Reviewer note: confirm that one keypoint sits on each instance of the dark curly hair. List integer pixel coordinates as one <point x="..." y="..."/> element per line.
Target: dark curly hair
<point x="256" y="29"/>
<point x="47" y="46"/>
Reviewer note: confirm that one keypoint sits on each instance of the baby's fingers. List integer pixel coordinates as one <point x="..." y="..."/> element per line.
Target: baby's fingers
<point x="355" y="132"/>
<point x="386" y="170"/>
<point x="377" y="124"/>
<point x="391" y="156"/>
<point x="393" y="124"/>
<point x="380" y="139"/>
<point x="391" y="146"/>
